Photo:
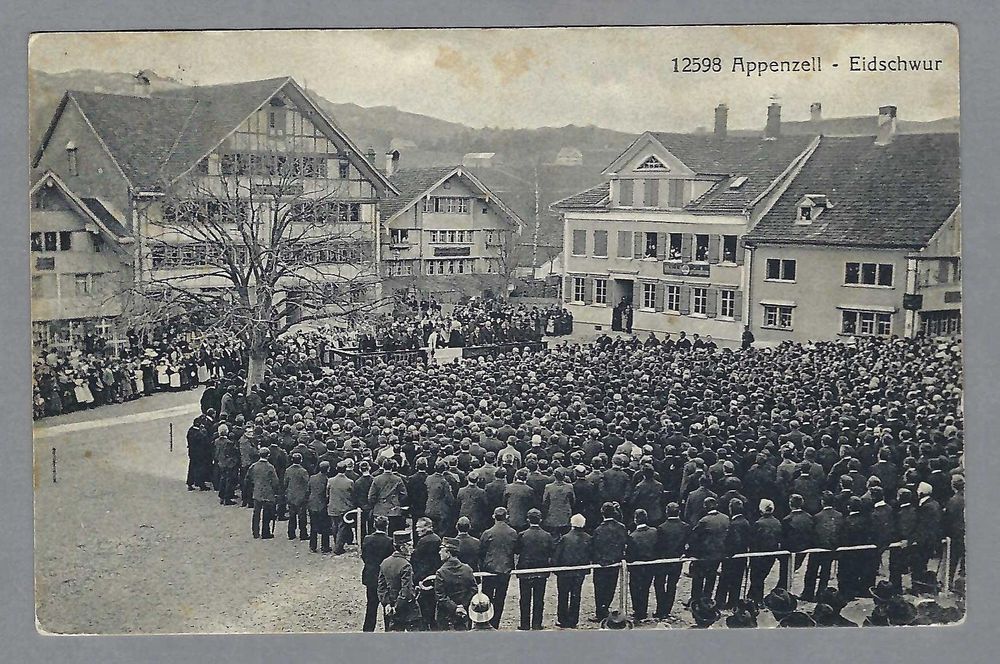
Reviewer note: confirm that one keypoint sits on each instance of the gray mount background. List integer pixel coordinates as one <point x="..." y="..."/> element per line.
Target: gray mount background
<point x="972" y="642"/>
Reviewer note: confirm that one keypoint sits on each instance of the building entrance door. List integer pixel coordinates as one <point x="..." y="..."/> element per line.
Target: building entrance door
<point x="623" y="301"/>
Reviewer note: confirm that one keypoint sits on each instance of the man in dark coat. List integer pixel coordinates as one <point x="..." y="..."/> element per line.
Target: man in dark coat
<point x="416" y="489"/>
<point x="375" y="548"/>
<point x="472" y="503"/>
<point x="797" y="535"/>
<point x="468" y="546"/>
<point x="953" y="524"/>
<point x="733" y="569"/>
<point x="425" y="559"/>
<point x="518" y="499"/>
<point x="571" y="549"/>
<point x="397" y="588"/>
<point x="926" y="538"/>
<point x="440" y="499"/>
<point x="828" y="529"/>
<point x="586" y="496"/>
<point x="265" y="495"/>
<point x="642" y="545"/>
<point x="534" y="548"/>
<point x="906" y="518"/>
<point x="607" y="545"/>
<point x="883" y="526"/>
<point x="454" y="586"/>
<point x="648" y="496"/>
<point x="387" y="495"/>
<point x="296" y="491"/>
<point x="672" y="539"/>
<point x="497" y="547"/>
<point x="708" y="544"/>
<point x="319" y="521"/>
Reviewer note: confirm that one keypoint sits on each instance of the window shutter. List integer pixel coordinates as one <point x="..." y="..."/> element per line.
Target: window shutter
<point x="713" y="248"/>
<point x="685" y="298"/>
<point x="568" y="289"/>
<point x="738" y="305"/>
<point x="687" y="247"/>
<point x="625" y="187"/>
<point x="653" y="193"/>
<point x="739" y="252"/>
<point x="639" y="247"/>
<point x="662" y="239"/>
<point x="624" y="244"/>
<point x="660" y="292"/>
<point x="588" y="290"/>
<point x="712" y="306"/>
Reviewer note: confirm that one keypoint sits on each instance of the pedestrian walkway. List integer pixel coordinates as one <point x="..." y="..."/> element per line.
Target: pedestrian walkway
<point x="42" y="431"/>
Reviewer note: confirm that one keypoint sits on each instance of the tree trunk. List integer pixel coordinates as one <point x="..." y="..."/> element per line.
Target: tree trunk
<point x="255" y="367"/>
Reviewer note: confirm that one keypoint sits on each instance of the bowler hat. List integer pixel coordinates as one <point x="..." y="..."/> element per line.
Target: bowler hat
<point x="780" y="602"/>
<point x="616" y="620"/>
<point x="797" y="619"/>
<point x="704" y="611"/>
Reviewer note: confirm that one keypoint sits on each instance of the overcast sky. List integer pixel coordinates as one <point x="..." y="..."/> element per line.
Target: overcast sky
<point x="620" y="78"/>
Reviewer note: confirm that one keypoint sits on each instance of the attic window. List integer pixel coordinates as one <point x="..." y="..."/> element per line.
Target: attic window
<point x="72" y="163"/>
<point x="738" y="182"/>
<point x="652" y="164"/>
<point x="810" y="207"/>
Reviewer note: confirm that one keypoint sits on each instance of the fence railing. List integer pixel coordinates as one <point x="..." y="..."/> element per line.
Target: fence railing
<point x="427" y="584"/>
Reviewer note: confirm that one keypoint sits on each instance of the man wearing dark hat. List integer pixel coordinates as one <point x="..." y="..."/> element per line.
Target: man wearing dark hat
<point x="375" y="548"/>
<point x="518" y="499"/>
<point x="397" y="587"/>
<point x="265" y="494"/>
<point x="440" y="498"/>
<point x="319" y="521"/>
<point x="296" y="491"/>
<point x="534" y="548"/>
<point x="797" y="535"/>
<point x="387" y="495"/>
<point x="497" y="547"/>
<point x="733" y="569"/>
<point x="454" y="586"/>
<point x="607" y="544"/>
<point x="340" y="501"/>
<point x="642" y="545"/>
<point x="468" y="546"/>
<point x="828" y="529"/>
<point x="572" y="549"/>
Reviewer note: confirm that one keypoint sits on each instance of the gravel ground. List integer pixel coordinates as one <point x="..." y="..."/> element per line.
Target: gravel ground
<point x="122" y="547"/>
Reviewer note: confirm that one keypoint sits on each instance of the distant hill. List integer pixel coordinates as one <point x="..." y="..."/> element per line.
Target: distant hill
<point x="428" y="141"/>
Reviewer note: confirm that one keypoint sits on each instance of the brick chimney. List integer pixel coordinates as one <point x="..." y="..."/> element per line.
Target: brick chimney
<point x="815" y="111"/>
<point x="886" y="125"/>
<point x="721" y="120"/>
<point x="773" y="127"/>
<point x="391" y="162"/>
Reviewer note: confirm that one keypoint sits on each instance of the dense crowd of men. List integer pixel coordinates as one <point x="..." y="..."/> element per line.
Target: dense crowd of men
<point x="580" y="456"/>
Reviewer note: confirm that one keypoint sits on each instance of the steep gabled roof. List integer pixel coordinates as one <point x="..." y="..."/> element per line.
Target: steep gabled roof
<point x="91" y="209"/>
<point x="894" y="196"/>
<point x="415" y="183"/>
<point x="754" y="160"/>
<point x="156" y="139"/>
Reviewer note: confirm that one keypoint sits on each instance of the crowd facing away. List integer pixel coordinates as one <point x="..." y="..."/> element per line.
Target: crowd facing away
<point x="578" y="457"/>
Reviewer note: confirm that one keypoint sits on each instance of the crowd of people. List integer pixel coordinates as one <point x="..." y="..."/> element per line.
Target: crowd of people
<point x="94" y="373"/>
<point x="477" y="322"/>
<point x="581" y="456"/>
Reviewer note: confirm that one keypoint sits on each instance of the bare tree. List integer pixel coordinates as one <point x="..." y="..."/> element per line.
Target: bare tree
<point x="266" y="243"/>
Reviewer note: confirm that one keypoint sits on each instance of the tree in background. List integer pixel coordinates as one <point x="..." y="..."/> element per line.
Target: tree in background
<point x="255" y="250"/>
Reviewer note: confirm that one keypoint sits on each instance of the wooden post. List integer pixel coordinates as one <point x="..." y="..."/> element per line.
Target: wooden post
<point x="171" y="436"/>
<point x="947" y="565"/>
<point x="623" y="590"/>
<point x="53" y="465"/>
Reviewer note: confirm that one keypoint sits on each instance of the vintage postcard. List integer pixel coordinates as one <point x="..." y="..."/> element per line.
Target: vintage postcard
<point x="497" y="329"/>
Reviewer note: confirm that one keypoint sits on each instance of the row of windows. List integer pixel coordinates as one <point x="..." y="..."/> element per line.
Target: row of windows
<point x="700" y="300"/>
<point x="452" y="204"/>
<point x="269" y="163"/>
<point x="402" y="236"/>
<point x="656" y="193"/>
<point x="452" y="266"/>
<point x="855" y="274"/>
<point x="697" y="247"/>
<point x="225" y="212"/>
<point x="196" y="254"/>
<point x="864" y="323"/>
<point x="52" y="241"/>
<point x="83" y="284"/>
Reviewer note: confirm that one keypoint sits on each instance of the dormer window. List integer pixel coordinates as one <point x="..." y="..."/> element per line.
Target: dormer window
<point x="652" y="163"/>
<point x="810" y="207"/>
